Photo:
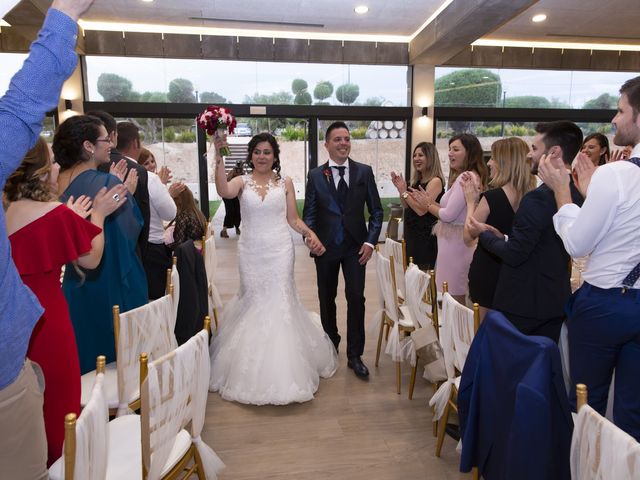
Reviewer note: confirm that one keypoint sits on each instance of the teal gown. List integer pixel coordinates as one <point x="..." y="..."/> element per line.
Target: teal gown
<point x="118" y="280"/>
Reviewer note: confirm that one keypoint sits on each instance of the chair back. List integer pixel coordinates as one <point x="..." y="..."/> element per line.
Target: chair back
<point x="86" y="439"/>
<point x="397" y="251"/>
<point x="417" y="285"/>
<point x="459" y="324"/>
<point x="387" y="286"/>
<point x="209" y="254"/>
<point x="599" y="449"/>
<point x="173" y="394"/>
<point x="149" y="328"/>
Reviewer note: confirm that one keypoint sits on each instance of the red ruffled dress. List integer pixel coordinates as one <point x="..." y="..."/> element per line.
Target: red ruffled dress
<point x="39" y="250"/>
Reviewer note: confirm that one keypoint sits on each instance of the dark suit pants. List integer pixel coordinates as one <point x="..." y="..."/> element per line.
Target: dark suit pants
<point x="157" y="260"/>
<point x="327" y="269"/>
<point x="604" y="335"/>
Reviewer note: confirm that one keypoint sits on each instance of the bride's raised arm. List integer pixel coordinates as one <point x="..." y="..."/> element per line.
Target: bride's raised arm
<point x="295" y="222"/>
<point x="226" y="189"/>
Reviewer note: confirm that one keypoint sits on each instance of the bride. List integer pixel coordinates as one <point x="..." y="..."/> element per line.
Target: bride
<point x="269" y="349"/>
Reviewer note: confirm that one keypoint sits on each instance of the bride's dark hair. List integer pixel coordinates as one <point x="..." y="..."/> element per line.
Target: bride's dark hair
<point x="264" y="137"/>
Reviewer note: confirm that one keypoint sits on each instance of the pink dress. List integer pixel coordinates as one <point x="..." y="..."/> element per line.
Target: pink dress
<point x="454" y="257"/>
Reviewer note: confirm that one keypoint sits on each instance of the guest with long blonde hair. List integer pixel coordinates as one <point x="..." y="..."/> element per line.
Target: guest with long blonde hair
<point x="511" y="179"/>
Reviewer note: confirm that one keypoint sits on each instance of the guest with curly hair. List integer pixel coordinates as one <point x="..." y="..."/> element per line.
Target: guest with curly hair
<point x="45" y="234"/>
<point x="80" y="144"/>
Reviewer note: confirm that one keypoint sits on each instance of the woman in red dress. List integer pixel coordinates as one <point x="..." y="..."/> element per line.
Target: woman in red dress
<point x="45" y="235"/>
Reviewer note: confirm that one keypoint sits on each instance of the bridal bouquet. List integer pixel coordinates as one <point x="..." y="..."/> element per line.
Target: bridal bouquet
<point x="217" y="121"/>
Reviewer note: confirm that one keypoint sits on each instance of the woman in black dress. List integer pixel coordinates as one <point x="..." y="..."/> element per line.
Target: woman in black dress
<point x="427" y="173"/>
<point x="511" y="179"/>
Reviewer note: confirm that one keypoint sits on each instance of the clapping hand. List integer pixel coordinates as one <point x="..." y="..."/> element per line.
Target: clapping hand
<point x="314" y="244"/>
<point x="399" y="182"/>
<point x="616" y="155"/>
<point x="106" y="202"/>
<point x="476" y="228"/>
<point x="132" y="181"/>
<point x="553" y="172"/>
<point x="470" y="188"/>
<point x="82" y="206"/>
<point x="583" y="172"/>
<point x="165" y="174"/>
<point x="119" y="169"/>
<point x="421" y="196"/>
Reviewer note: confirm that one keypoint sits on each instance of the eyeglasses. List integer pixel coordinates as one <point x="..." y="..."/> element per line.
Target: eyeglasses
<point x="108" y="140"/>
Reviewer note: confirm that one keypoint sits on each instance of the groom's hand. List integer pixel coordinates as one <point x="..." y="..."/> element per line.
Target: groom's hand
<point x="315" y="245"/>
<point x="365" y="254"/>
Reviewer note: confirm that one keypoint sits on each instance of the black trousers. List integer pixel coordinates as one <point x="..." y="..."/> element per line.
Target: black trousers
<point x="548" y="327"/>
<point x="157" y="260"/>
<point x="327" y="269"/>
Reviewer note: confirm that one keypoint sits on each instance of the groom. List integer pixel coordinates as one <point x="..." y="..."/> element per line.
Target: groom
<point x="334" y="209"/>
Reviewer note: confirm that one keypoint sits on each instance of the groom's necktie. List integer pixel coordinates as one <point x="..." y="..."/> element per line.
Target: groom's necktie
<point x="342" y="189"/>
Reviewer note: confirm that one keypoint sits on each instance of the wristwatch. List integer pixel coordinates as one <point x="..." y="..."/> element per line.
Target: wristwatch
<point x="405" y="195"/>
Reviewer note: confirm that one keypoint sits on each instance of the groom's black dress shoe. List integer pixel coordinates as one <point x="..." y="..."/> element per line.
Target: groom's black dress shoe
<point x="359" y="368"/>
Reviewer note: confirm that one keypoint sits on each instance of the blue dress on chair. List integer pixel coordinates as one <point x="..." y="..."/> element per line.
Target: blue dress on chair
<point x="515" y="420"/>
<point x="118" y="280"/>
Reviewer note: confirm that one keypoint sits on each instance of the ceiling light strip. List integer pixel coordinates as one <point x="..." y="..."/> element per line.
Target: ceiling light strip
<point x="430" y="19"/>
<point x="491" y="42"/>
<point x="189" y="30"/>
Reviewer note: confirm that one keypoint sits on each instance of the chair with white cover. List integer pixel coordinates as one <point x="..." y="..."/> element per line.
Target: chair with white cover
<point x="397" y="251"/>
<point x="599" y="449"/>
<point x="215" y="301"/>
<point x="86" y="438"/>
<point x="459" y="325"/>
<point x="423" y="316"/>
<point x="174" y="394"/>
<point x="390" y="316"/>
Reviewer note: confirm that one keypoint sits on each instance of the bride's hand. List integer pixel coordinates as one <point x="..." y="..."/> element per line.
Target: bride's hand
<point x="314" y="244"/>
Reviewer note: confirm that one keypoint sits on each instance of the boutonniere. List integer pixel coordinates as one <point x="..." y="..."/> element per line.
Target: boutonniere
<point x="327" y="174"/>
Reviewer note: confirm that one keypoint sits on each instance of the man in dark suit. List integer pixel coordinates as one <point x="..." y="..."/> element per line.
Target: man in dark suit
<point x="533" y="285"/>
<point x="125" y="142"/>
<point x="334" y="209"/>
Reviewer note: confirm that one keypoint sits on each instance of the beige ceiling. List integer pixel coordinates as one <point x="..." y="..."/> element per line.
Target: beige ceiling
<point x="584" y="21"/>
<point x="385" y="17"/>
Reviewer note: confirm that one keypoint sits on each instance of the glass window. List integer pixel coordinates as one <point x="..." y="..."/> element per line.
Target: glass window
<point x="517" y="88"/>
<point x="226" y="81"/>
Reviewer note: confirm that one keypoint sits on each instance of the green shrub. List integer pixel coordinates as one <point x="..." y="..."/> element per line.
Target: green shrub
<point x="186" y="137"/>
<point x="359" y="133"/>
<point x="519" y="131"/>
<point x="169" y="135"/>
<point x="291" y="133"/>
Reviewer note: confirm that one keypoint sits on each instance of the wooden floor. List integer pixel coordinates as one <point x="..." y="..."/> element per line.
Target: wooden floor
<point x="351" y="430"/>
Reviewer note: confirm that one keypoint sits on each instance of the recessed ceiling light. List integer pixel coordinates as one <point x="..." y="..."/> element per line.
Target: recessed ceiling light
<point x="147" y="1"/>
<point x="541" y="17"/>
<point x="361" y="9"/>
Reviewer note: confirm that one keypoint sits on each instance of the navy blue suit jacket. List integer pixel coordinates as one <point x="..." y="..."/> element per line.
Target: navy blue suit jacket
<point x="322" y="212"/>
<point x="515" y="420"/>
<point x="534" y="276"/>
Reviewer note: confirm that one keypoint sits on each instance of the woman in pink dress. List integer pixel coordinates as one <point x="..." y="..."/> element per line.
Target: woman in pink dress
<point x="454" y="257"/>
<point x="45" y="234"/>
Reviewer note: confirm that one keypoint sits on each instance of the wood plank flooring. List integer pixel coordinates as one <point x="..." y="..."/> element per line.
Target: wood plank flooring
<point x="351" y="430"/>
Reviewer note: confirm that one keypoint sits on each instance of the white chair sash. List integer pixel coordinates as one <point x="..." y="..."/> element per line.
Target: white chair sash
<point x="92" y="438"/>
<point x="210" y="265"/>
<point x="602" y="451"/>
<point x="175" y="281"/>
<point x="149" y="328"/>
<point x="175" y="393"/>
<point x="394" y="249"/>
<point x="456" y="335"/>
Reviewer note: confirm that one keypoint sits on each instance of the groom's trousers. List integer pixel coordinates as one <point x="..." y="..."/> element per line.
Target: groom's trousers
<point x="327" y="269"/>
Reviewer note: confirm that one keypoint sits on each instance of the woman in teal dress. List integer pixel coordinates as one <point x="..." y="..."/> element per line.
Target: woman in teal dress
<point x="80" y="144"/>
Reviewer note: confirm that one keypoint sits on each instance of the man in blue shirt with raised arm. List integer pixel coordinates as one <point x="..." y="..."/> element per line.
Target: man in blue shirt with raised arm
<point x="33" y="91"/>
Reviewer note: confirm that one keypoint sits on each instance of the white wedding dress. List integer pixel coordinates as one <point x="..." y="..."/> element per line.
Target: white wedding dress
<point x="269" y="349"/>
